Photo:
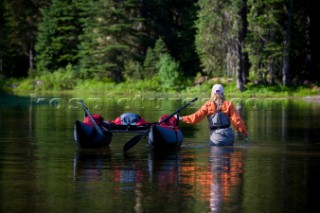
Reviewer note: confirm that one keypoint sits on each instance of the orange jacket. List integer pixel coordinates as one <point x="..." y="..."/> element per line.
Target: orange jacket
<point x="210" y="108"/>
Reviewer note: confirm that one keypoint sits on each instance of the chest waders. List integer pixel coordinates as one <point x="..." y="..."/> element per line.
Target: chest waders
<point x="220" y="132"/>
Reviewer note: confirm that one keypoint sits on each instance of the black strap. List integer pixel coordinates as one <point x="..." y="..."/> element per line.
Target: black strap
<point x="219" y="127"/>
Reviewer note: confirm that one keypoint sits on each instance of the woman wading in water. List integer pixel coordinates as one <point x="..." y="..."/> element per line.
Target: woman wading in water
<point x="221" y="114"/>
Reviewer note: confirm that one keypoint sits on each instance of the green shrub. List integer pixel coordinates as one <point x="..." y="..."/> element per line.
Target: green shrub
<point x="62" y="79"/>
<point x="169" y="72"/>
<point x="26" y="84"/>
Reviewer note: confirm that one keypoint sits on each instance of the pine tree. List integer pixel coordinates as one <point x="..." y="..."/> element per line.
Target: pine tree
<point x="110" y="39"/>
<point x="21" y="18"/>
<point x="302" y="41"/>
<point x="265" y="39"/>
<point x="220" y="39"/>
<point x="153" y="57"/>
<point x="169" y="72"/>
<point x="57" y="43"/>
<point x="209" y="39"/>
<point x="173" y="21"/>
<point x="2" y="40"/>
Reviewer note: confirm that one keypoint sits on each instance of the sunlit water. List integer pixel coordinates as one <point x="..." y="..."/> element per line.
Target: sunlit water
<point x="42" y="170"/>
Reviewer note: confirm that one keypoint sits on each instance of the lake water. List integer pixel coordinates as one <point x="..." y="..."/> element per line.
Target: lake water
<point x="42" y="170"/>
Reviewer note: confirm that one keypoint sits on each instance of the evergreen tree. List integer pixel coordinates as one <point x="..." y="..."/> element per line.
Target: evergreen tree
<point x="169" y="72"/>
<point x="57" y="44"/>
<point x="304" y="41"/>
<point x="210" y="38"/>
<point x="220" y="39"/>
<point x="2" y="40"/>
<point x="153" y="57"/>
<point x="265" y="39"/>
<point x="110" y="39"/>
<point x="149" y="68"/>
<point x="182" y="46"/>
<point x="21" y="18"/>
<point x="173" y="21"/>
<point x="242" y="69"/>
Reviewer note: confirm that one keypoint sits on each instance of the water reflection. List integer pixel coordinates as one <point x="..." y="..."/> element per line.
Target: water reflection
<point x="164" y="168"/>
<point x="121" y="176"/>
<point x="42" y="169"/>
<point x="89" y="164"/>
<point x="226" y="167"/>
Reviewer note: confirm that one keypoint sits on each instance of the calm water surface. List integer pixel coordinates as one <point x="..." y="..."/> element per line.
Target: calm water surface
<point x="42" y="170"/>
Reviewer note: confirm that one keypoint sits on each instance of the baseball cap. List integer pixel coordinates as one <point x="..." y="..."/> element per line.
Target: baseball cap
<point x="217" y="89"/>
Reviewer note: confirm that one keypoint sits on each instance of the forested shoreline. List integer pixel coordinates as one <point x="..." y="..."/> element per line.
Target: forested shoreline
<point x="168" y="43"/>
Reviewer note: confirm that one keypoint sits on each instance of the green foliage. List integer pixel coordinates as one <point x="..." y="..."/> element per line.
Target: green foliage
<point x="255" y="90"/>
<point x="265" y="39"/>
<point x="160" y="48"/>
<point x="149" y="85"/>
<point x="26" y="84"/>
<point x="58" y="36"/>
<point x="218" y="27"/>
<point x="108" y="43"/>
<point x="173" y="21"/>
<point x="208" y="41"/>
<point x="22" y="84"/>
<point x="95" y="41"/>
<point x="261" y="90"/>
<point x="119" y="41"/>
<point x="62" y="79"/>
<point x="133" y="70"/>
<point x="149" y="68"/>
<point x="119" y="88"/>
<point x="153" y="56"/>
<point x="18" y="29"/>
<point x="169" y="72"/>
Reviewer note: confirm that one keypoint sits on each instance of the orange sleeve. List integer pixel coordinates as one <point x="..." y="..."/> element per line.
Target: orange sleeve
<point x="199" y="115"/>
<point x="236" y="119"/>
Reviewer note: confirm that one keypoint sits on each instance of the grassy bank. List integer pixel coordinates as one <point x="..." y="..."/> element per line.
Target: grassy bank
<point x="151" y="87"/>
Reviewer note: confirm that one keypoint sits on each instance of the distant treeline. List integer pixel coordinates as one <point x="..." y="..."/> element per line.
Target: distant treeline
<point x="257" y="41"/>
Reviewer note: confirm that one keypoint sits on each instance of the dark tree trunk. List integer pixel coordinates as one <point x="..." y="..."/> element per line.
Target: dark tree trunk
<point x="239" y="74"/>
<point x="308" y="59"/>
<point x="31" y="62"/>
<point x="243" y="66"/>
<point x="287" y="45"/>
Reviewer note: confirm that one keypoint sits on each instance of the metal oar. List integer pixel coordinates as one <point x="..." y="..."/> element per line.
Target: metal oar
<point x="91" y="118"/>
